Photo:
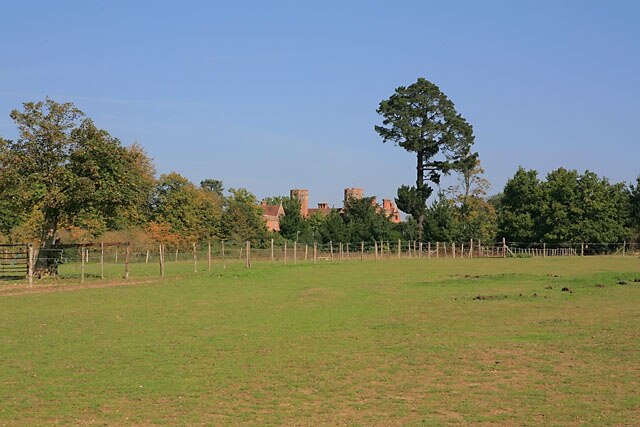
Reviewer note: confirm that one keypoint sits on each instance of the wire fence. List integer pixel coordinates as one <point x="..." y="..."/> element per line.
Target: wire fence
<point x="98" y="261"/>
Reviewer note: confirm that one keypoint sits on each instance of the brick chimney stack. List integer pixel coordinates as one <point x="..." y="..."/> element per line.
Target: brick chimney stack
<point x="353" y="193"/>
<point x="301" y="195"/>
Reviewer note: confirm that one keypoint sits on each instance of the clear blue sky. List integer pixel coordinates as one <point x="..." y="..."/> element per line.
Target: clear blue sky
<point x="273" y="95"/>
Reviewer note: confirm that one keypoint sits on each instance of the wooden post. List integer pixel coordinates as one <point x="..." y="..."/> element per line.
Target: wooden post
<point x="315" y="252"/>
<point x="116" y="254"/>
<point x="582" y="249"/>
<point x="224" y="265"/>
<point x="375" y="248"/>
<point x="102" y="260"/>
<point x="409" y="248"/>
<point x="82" y="264"/>
<point x="248" y="255"/>
<point x="306" y="251"/>
<point x="161" y="259"/>
<point x="176" y="257"/>
<point x="285" y="252"/>
<point x="146" y="261"/>
<point x="331" y="249"/>
<point x="624" y="248"/>
<point x="126" y="262"/>
<point x="341" y="253"/>
<point x="461" y="250"/>
<point x="361" y="251"/>
<point x="273" y="258"/>
<point x="30" y="263"/>
<point x="420" y="250"/>
<point x="399" y="247"/>
<point x="295" y="252"/>
<point x="209" y="256"/>
<point x="437" y="249"/>
<point x="453" y="250"/>
<point x="347" y="250"/>
<point x="504" y="247"/>
<point x="195" y="258"/>
<point x="544" y="250"/>
<point x="471" y="249"/>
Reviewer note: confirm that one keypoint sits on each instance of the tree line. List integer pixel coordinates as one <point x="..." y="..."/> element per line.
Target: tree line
<point x="63" y="177"/>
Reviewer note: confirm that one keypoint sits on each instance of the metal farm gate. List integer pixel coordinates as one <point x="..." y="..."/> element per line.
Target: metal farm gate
<point x="14" y="261"/>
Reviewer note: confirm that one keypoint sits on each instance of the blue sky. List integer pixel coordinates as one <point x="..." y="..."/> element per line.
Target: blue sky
<point x="278" y="95"/>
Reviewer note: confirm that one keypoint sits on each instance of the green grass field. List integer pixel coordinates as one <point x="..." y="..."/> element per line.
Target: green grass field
<point x="411" y="342"/>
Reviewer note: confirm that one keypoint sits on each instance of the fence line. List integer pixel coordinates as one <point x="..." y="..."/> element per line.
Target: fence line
<point x="120" y="260"/>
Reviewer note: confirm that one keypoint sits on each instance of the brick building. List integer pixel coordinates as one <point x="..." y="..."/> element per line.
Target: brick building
<point x="272" y="214"/>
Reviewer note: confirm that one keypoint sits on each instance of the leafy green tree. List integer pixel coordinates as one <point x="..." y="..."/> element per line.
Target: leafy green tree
<point x="242" y="217"/>
<point x="64" y="168"/>
<point x="193" y="213"/>
<point x="292" y="225"/>
<point x="634" y="208"/>
<point x="422" y="120"/>
<point x="333" y="228"/>
<point x="365" y="221"/>
<point x="213" y="185"/>
<point x="476" y="216"/>
<point x="442" y="224"/>
<point x="519" y="217"/>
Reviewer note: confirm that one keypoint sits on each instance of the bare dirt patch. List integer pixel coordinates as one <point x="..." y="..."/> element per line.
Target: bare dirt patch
<point x="24" y="288"/>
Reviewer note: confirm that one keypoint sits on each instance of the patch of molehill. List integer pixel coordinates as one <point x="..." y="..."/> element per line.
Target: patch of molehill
<point x="622" y="282"/>
<point x="565" y="289"/>
<point x="489" y="297"/>
<point x="599" y="285"/>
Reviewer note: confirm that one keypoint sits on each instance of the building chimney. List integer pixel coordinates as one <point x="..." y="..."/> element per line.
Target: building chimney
<point x="301" y="195"/>
<point x="352" y="193"/>
<point x="386" y="204"/>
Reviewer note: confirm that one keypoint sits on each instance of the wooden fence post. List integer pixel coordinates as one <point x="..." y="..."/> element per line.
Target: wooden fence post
<point x="375" y="248"/>
<point x="102" y="260"/>
<point x="273" y="258"/>
<point x="306" y="251"/>
<point x="471" y="249"/>
<point x="126" y="262"/>
<point x="348" y="256"/>
<point x="116" y="254"/>
<point x="428" y="250"/>
<point x="315" y="252"/>
<point x="331" y="249"/>
<point x="295" y="252"/>
<point x="420" y="250"/>
<point x="224" y="264"/>
<point x="437" y="249"/>
<point x="285" y="252"/>
<point x="146" y="261"/>
<point x="582" y="249"/>
<point x="248" y="255"/>
<point x="209" y="256"/>
<point x="399" y="247"/>
<point x="624" y="248"/>
<point x="82" y="264"/>
<point x="161" y="258"/>
<point x="341" y="253"/>
<point x="30" y="263"/>
<point x="176" y="258"/>
<point x="504" y="247"/>
<point x="361" y="251"/>
<point x="195" y="258"/>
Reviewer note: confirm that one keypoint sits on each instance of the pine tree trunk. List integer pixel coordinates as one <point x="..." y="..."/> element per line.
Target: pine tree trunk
<point x="420" y="189"/>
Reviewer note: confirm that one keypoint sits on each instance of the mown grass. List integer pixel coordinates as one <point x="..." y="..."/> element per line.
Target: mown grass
<point x="407" y="342"/>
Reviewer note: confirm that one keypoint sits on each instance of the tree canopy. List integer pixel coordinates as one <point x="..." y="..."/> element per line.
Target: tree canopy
<point x="422" y="120"/>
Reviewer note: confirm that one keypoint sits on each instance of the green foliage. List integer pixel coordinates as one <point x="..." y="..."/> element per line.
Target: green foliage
<point x="634" y="208"/>
<point x="242" y="217"/>
<point x="69" y="171"/>
<point x="520" y="207"/>
<point x="292" y="225"/>
<point x="213" y="185"/>
<point x="567" y="207"/>
<point x="192" y="212"/>
<point x="422" y="120"/>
